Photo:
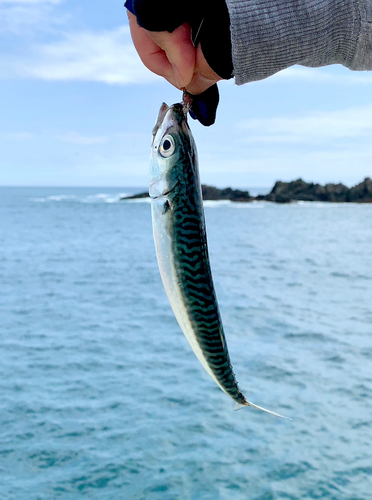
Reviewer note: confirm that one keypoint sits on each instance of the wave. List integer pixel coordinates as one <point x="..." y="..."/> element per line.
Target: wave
<point x="103" y="198"/>
<point x="234" y="204"/>
<point x="318" y="204"/>
<point x="137" y="200"/>
<point x="92" y="198"/>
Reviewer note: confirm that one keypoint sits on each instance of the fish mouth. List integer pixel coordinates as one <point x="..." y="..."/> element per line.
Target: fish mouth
<point x="161" y="115"/>
<point x="164" y="193"/>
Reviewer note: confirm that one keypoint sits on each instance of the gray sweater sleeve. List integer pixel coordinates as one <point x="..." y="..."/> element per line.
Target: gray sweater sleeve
<point x="270" y="35"/>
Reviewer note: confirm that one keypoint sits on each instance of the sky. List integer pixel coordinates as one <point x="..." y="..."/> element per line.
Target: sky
<point x="77" y="108"/>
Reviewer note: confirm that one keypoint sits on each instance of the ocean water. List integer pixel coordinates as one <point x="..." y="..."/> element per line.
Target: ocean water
<point x="101" y="396"/>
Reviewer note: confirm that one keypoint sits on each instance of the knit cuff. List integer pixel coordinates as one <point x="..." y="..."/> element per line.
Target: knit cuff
<point x="363" y="55"/>
<point x="271" y="35"/>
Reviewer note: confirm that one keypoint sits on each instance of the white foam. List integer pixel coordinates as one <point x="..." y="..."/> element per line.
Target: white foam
<point x="250" y="204"/>
<point x="216" y="203"/>
<point x="234" y="204"/>
<point x="61" y="197"/>
<point x="317" y="204"/>
<point x="103" y="198"/>
<point x="97" y="198"/>
<point x="138" y="200"/>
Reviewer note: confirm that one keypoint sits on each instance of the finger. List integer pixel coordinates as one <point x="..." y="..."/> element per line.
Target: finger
<point x="152" y="56"/>
<point x="204" y="76"/>
<point x="180" y="52"/>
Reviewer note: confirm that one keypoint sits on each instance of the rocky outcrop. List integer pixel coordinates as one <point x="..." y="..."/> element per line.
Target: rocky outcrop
<point x="286" y="192"/>
<point x="212" y="193"/>
<point x="136" y="196"/>
<point x="209" y="193"/>
<point x="361" y="193"/>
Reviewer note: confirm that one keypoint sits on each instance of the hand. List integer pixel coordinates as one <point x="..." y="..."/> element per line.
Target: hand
<point x="173" y="56"/>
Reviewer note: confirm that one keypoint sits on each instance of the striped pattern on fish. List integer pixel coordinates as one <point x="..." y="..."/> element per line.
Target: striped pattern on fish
<point x="181" y="246"/>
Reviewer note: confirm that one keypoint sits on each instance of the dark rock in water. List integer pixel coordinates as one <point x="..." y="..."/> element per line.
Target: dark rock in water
<point x="335" y="192"/>
<point x="361" y="193"/>
<point x="136" y="196"/>
<point x="285" y="192"/>
<point x="213" y="193"/>
<point x="210" y="193"/>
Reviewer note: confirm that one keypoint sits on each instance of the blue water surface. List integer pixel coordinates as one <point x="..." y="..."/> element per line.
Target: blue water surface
<point x="101" y="396"/>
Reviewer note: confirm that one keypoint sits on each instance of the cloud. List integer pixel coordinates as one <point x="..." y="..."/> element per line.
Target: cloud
<point x="28" y="19"/>
<point x="317" y="127"/>
<point x="29" y="2"/>
<point x="49" y="46"/>
<point x="107" y="56"/>
<point x="17" y="136"/>
<point x="75" y="138"/>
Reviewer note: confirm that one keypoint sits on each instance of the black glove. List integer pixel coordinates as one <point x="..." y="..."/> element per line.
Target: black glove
<point x="204" y="106"/>
<point x="210" y="25"/>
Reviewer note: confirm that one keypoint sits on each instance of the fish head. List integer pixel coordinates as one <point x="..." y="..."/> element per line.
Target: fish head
<point x="172" y="142"/>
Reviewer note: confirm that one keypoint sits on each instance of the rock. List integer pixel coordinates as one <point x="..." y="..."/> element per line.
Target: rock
<point x="335" y="193"/>
<point x="136" y="196"/>
<point x="361" y="193"/>
<point x="209" y="193"/>
<point x="285" y="192"/>
<point x="213" y="193"/>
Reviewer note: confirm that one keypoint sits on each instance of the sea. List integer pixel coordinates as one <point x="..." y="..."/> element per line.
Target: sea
<point x="101" y="397"/>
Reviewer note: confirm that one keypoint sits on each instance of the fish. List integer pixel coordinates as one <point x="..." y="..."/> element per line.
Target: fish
<point x="181" y="246"/>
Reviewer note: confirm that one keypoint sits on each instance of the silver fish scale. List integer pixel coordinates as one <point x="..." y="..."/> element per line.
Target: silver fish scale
<point x="195" y="278"/>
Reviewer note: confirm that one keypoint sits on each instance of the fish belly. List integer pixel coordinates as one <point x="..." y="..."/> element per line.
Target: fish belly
<point x="185" y="271"/>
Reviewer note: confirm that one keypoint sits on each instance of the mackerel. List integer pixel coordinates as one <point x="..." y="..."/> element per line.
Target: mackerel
<point x="181" y="246"/>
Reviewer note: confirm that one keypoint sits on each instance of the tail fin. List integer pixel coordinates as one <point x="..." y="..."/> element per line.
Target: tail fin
<point x="239" y="406"/>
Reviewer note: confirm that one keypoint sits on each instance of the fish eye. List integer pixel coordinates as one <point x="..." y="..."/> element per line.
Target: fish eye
<point x="167" y="146"/>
